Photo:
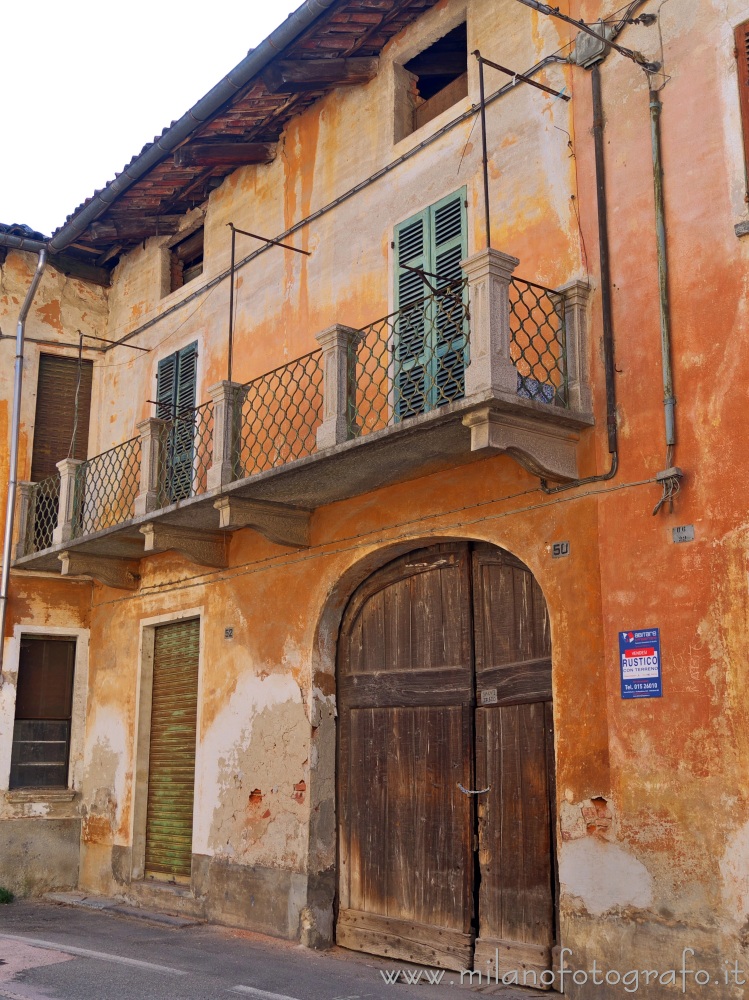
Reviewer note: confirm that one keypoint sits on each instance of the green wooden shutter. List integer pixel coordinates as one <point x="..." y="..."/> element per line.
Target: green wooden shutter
<point x="449" y="246"/>
<point x="166" y="383"/>
<point x="430" y="338"/>
<point x="176" y="397"/>
<point x="184" y="428"/>
<point x="411" y="347"/>
<point x="171" y="764"/>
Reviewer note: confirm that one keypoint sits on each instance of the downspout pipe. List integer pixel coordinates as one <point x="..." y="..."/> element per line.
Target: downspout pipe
<point x="606" y="307"/>
<point x="253" y="63"/>
<point x="669" y="401"/>
<point x="10" y="509"/>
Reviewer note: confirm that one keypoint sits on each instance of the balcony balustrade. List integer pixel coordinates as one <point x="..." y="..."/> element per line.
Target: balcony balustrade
<point x="482" y="365"/>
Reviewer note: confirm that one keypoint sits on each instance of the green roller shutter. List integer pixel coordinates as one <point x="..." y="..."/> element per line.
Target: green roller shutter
<point x="430" y="341"/>
<point x="171" y="766"/>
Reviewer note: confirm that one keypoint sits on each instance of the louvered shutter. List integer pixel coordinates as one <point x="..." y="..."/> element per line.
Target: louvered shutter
<point x="184" y="428"/>
<point x="448" y="240"/>
<point x="54" y="421"/>
<point x="411" y="348"/>
<point x="176" y="396"/>
<point x="171" y="764"/>
<point x="742" y="57"/>
<point x="166" y="387"/>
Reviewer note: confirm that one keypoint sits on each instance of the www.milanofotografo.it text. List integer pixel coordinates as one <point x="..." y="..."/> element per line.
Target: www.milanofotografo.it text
<point x="681" y="978"/>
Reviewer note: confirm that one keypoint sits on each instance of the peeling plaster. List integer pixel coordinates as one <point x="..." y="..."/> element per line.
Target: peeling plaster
<point x="604" y="876"/>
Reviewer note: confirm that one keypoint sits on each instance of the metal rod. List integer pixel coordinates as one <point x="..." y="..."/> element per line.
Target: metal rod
<point x="604" y="257"/>
<point x="10" y="509"/>
<point x="273" y="243"/>
<point x="133" y="347"/>
<point x="482" y="96"/>
<point x="231" y="298"/>
<point x="523" y="77"/>
<point x="638" y="57"/>
<point x="669" y="401"/>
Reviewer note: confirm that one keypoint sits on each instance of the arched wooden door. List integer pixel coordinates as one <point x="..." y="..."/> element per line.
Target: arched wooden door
<point x="444" y="687"/>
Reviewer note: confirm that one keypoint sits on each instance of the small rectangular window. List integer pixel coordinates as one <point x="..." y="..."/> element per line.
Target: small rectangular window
<point x="44" y="705"/>
<point x="742" y="58"/>
<point x="186" y="261"/>
<point x="439" y="76"/>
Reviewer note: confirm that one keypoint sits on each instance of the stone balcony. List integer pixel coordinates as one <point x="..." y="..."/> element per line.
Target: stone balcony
<point x="485" y="365"/>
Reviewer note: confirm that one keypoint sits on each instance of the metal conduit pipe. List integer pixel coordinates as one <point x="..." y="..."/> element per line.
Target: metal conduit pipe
<point x="253" y="63"/>
<point x="606" y="310"/>
<point x="10" y="509"/>
<point x="669" y="401"/>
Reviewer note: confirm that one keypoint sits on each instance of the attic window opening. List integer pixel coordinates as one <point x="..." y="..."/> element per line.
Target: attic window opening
<point x="186" y="261"/>
<point x="441" y="75"/>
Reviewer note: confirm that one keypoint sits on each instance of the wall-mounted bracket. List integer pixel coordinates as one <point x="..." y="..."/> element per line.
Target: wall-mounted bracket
<point x="278" y="522"/>
<point x="122" y="574"/>
<point x="207" y="548"/>
<point x="544" y="448"/>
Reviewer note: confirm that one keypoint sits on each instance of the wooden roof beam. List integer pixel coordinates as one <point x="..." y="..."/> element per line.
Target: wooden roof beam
<point x="295" y="76"/>
<point x="224" y="154"/>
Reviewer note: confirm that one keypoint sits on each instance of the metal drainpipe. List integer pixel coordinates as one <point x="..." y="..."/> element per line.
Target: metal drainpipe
<point x="10" y="510"/>
<point x="669" y="402"/>
<point x="607" y="316"/>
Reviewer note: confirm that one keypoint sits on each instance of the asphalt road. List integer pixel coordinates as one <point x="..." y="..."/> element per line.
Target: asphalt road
<point x="54" y="952"/>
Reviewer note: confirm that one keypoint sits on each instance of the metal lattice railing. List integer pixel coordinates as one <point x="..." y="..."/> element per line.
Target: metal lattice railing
<point x="44" y="503"/>
<point x="409" y="362"/>
<point x="538" y="346"/>
<point x="106" y="487"/>
<point x="278" y="417"/>
<point x="185" y="454"/>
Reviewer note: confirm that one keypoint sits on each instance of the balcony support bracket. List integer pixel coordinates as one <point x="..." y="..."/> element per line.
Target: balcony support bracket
<point x="276" y="521"/>
<point x="207" y="548"/>
<point x="122" y="574"/>
<point x="545" y="448"/>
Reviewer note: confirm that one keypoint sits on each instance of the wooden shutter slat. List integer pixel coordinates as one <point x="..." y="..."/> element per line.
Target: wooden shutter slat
<point x="55" y="413"/>
<point x="171" y="766"/>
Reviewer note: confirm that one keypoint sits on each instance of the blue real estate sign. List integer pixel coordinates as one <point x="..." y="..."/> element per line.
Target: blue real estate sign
<point x="640" y="663"/>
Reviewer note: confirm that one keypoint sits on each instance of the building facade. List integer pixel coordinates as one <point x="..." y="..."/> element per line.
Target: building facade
<point x="339" y="607"/>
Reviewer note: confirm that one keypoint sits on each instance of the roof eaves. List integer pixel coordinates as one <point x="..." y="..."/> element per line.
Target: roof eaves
<point x="153" y="153"/>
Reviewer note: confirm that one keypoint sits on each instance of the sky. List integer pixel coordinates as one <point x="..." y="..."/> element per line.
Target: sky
<point x="88" y="83"/>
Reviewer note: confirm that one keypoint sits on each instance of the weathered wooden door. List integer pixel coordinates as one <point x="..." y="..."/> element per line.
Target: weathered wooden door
<point x="515" y="762"/>
<point x="425" y="875"/>
<point x="406" y="695"/>
<point x="171" y="766"/>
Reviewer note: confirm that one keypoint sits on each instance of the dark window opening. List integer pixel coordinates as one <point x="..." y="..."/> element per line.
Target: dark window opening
<point x="44" y="705"/>
<point x="441" y="73"/>
<point x="186" y="260"/>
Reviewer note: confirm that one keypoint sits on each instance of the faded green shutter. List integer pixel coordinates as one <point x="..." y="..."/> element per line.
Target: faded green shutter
<point x="411" y="347"/>
<point x="430" y="341"/>
<point x="449" y="247"/>
<point x="171" y="763"/>
<point x="176" y="397"/>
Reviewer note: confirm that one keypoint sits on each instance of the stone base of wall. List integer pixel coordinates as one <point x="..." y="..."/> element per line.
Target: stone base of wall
<point x="39" y="855"/>
<point x="637" y="955"/>
<point x="273" y="901"/>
